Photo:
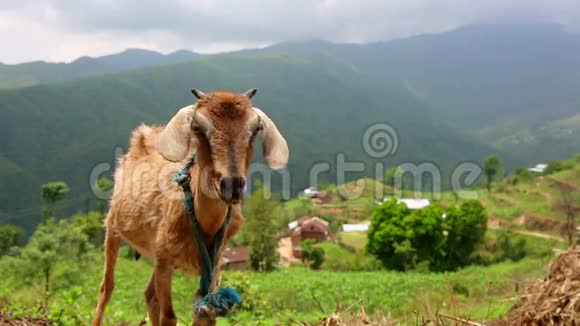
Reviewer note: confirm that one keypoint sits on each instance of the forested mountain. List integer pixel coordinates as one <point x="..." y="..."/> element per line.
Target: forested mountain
<point x="452" y="97"/>
<point x="62" y="131"/>
<point x="32" y="73"/>
<point x="514" y="86"/>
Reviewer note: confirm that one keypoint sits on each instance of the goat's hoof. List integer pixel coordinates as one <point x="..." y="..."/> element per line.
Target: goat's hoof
<point x="205" y="316"/>
<point x="204" y="321"/>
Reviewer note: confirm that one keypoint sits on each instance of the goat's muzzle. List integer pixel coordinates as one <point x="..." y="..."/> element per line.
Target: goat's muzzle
<point x="232" y="189"/>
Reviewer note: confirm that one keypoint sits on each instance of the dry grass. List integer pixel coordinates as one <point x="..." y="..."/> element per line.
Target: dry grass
<point x="555" y="300"/>
<point x="5" y="321"/>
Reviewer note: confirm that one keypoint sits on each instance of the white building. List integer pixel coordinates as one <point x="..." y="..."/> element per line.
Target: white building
<point x="412" y="203"/>
<point x="539" y="168"/>
<point x="311" y="192"/>
<point x="355" y="227"/>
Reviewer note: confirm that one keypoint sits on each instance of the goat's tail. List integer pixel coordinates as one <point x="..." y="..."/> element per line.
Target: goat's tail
<point x="143" y="140"/>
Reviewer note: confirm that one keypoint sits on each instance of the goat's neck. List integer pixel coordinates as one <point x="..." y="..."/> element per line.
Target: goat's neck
<point x="210" y="212"/>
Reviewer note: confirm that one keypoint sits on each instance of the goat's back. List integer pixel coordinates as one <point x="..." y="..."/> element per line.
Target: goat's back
<point x="146" y="205"/>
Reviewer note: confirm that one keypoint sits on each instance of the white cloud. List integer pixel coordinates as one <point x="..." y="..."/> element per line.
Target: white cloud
<point x="64" y="29"/>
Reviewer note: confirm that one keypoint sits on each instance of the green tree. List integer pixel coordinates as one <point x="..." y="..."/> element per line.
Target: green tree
<point x="387" y="231"/>
<point x="104" y="186"/>
<point x="260" y="230"/>
<point x="465" y="227"/>
<point x="389" y="176"/>
<point x="91" y="225"/>
<point x="52" y="192"/>
<point x="491" y="167"/>
<point x="401" y="238"/>
<point x="430" y="238"/>
<point x="54" y="257"/>
<point x="311" y="256"/>
<point x="10" y="236"/>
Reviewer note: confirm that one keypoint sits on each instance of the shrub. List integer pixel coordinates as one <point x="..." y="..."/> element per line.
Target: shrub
<point x="465" y="228"/>
<point x="55" y="257"/>
<point x="312" y="256"/>
<point x="557" y="166"/>
<point x="91" y="225"/>
<point x="509" y="248"/>
<point x="402" y="239"/>
<point x="10" y="236"/>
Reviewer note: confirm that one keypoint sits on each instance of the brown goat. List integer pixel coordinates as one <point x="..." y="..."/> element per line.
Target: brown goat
<point x="147" y="208"/>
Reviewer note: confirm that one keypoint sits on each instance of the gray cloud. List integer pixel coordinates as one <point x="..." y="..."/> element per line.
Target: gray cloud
<point x="211" y="25"/>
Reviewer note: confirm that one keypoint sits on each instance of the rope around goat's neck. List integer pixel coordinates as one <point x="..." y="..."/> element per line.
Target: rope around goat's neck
<point x="224" y="300"/>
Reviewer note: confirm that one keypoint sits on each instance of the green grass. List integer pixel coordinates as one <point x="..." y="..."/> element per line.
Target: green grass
<point x="357" y="240"/>
<point x="292" y="292"/>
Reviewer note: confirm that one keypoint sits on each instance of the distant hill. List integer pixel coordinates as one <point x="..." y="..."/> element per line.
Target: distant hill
<point x="515" y="86"/>
<point x="322" y="106"/>
<point x="39" y="72"/>
<point x="452" y="97"/>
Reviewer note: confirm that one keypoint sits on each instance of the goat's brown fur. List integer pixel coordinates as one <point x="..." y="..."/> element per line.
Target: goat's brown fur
<point x="147" y="210"/>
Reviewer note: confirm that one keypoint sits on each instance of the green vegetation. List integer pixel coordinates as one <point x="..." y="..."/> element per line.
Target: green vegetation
<point x="311" y="256"/>
<point x="54" y="258"/>
<point x="428" y="238"/>
<point x="260" y="230"/>
<point x="10" y="236"/>
<point x="63" y="131"/>
<point x="52" y="192"/>
<point x="491" y="167"/>
<point x="39" y="72"/>
<point x="57" y="273"/>
<point x="103" y="187"/>
<point x="286" y="293"/>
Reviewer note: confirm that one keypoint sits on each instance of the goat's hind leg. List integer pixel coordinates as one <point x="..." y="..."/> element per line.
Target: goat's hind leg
<point x="152" y="302"/>
<point x="112" y="245"/>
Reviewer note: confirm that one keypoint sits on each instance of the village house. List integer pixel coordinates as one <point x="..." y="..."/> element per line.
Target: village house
<point x="305" y="228"/>
<point x="236" y="259"/>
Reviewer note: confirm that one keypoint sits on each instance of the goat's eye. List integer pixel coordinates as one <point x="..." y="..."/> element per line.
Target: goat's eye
<point x="197" y="130"/>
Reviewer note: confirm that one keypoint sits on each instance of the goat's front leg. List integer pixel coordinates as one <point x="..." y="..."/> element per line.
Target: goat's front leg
<point x="163" y="275"/>
<point x="233" y="228"/>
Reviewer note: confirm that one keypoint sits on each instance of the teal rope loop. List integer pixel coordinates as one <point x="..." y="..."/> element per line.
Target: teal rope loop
<point x="223" y="301"/>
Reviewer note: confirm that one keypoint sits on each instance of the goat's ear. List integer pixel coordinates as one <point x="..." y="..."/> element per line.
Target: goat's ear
<point x="175" y="141"/>
<point x="275" y="146"/>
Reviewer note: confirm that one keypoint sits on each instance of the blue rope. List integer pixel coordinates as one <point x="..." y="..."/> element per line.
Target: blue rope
<point x="224" y="300"/>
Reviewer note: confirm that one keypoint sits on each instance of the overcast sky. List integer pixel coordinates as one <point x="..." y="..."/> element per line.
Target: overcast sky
<point x="62" y="30"/>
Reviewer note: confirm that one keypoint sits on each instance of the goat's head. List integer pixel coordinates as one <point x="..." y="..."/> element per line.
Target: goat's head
<point x="221" y="128"/>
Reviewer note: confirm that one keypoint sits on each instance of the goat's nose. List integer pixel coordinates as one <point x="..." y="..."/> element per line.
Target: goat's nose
<point x="232" y="188"/>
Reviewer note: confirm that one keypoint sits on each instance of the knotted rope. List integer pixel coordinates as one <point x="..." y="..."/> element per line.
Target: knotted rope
<point x="224" y="300"/>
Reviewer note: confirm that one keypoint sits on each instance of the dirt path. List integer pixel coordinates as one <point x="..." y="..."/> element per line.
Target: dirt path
<point x="541" y="235"/>
<point x="495" y="226"/>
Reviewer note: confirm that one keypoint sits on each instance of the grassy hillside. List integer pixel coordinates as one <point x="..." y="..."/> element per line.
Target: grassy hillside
<point x="522" y="203"/>
<point x="296" y="293"/>
<point x="323" y="107"/>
